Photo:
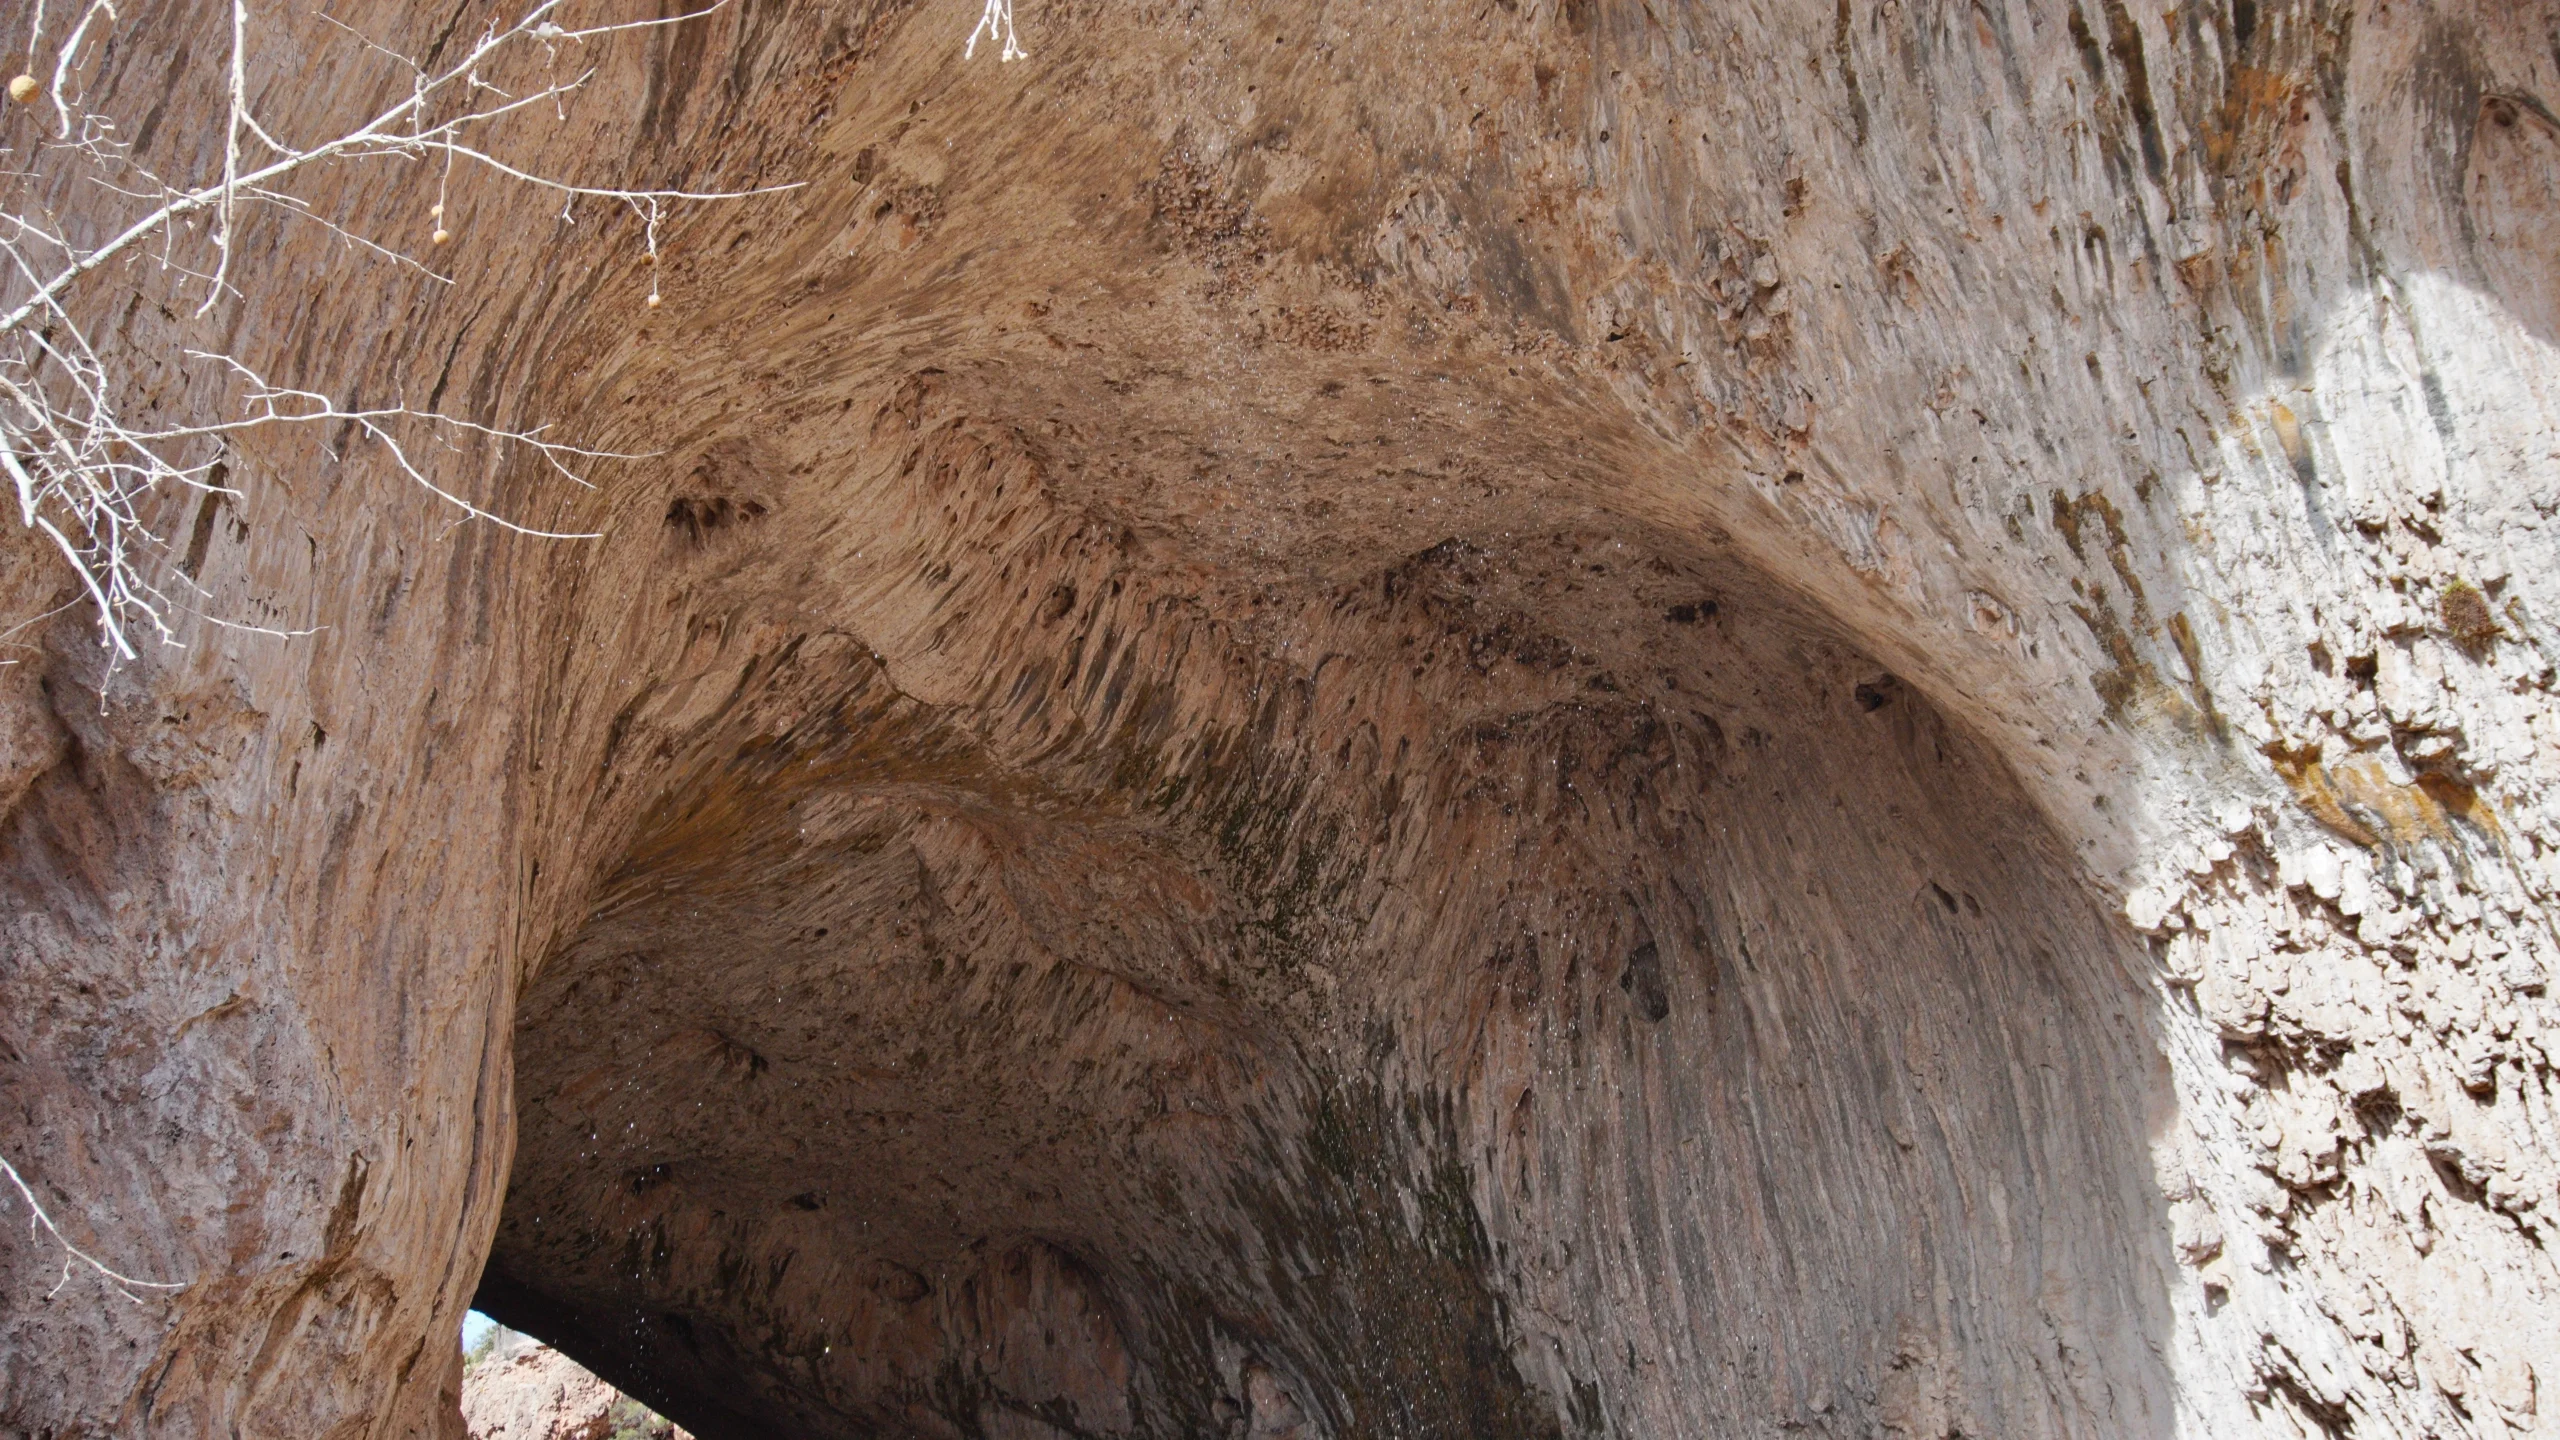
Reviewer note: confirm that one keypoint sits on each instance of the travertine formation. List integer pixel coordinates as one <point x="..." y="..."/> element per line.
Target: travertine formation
<point x="1584" y="718"/>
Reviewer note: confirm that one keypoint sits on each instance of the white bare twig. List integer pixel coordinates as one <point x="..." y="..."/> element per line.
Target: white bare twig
<point x="235" y="111"/>
<point x="70" y="51"/>
<point x="73" y="1255"/>
<point x="84" y="470"/>
<point x="996" y="24"/>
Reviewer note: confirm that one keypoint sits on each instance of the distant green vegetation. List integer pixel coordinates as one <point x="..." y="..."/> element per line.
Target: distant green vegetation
<point x="632" y="1420"/>
<point x="480" y="1335"/>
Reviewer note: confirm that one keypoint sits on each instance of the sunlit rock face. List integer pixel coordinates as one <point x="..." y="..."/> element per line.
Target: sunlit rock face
<point x="517" y="1388"/>
<point x="1555" y="720"/>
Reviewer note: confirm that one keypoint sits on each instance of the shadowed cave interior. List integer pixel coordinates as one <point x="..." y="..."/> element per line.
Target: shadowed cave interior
<point x="1561" y="988"/>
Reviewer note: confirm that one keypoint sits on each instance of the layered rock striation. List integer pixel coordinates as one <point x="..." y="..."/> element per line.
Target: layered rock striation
<point x="1535" y="720"/>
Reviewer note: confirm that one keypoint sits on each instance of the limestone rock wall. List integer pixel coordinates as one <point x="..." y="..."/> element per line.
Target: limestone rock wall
<point x="1580" y="718"/>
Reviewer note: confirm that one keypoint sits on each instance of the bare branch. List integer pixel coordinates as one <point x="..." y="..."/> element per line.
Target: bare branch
<point x="71" y="53"/>
<point x="124" y="1284"/>
<point x="235" y="111"/>
<point x="997" y="24"/>
<point x="555" y="33"/>
<point x="84" y="471"/>
<point x="600" y="192"/>
<point x="300" y="208"/>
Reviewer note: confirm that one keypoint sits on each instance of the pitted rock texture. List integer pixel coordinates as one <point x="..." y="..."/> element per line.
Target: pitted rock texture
<point x="1545" y="719"/>
<point x="521" y="1389"/>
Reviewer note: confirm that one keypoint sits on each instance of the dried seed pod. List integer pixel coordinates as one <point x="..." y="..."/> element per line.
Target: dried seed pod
<point x="441" y="236"/>
<point x="436" y="211"/>
<point x="24" y="89"/>
<point x="653" y="300"/>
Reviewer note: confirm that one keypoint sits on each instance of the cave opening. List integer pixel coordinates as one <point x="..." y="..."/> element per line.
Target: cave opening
<point x="1161" y="1035"/>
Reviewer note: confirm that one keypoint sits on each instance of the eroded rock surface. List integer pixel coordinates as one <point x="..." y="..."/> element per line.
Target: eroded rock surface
<point x="1533" y="720"/>
<point x="521" y="1389"/>
<point x="1157" y="1009"/>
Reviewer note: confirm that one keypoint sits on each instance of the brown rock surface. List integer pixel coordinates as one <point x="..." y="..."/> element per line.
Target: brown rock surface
<point x="1544" y="719"/>
<point x="522" y="1389"/>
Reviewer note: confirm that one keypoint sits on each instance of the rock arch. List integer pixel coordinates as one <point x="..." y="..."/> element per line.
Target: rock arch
<point x="1163" y="1010"/>
<point x="1807" y="716"/>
